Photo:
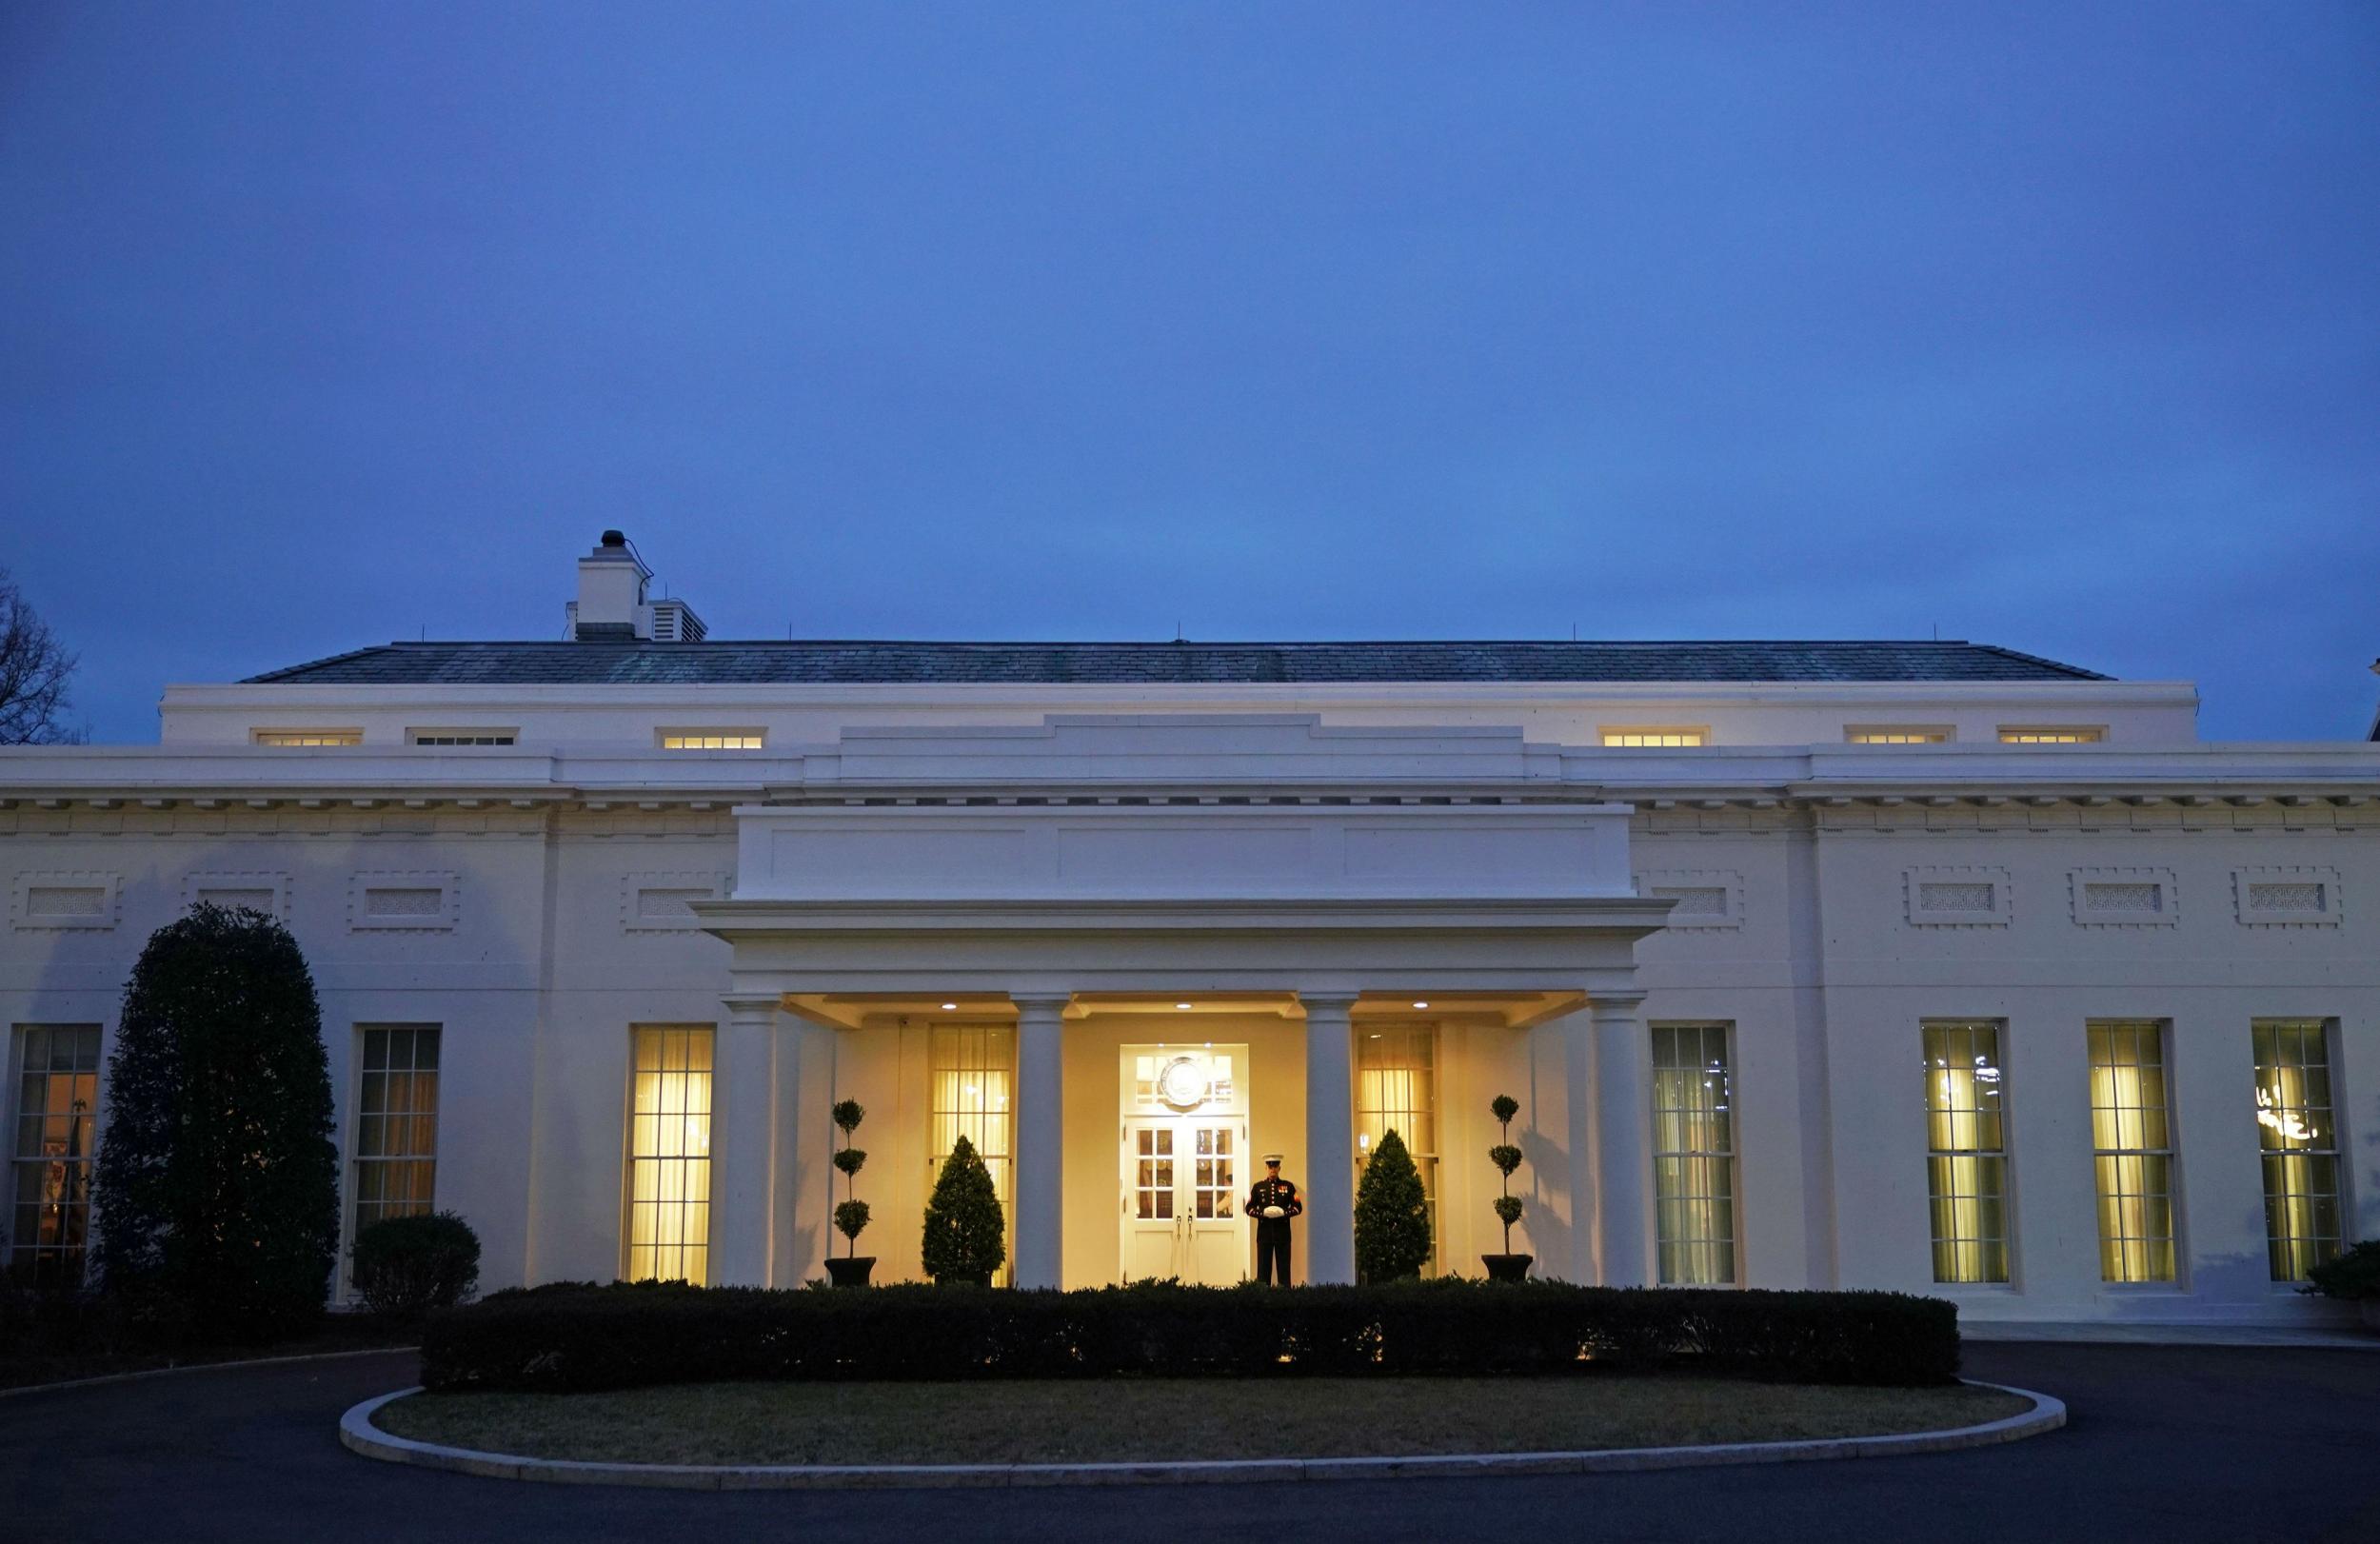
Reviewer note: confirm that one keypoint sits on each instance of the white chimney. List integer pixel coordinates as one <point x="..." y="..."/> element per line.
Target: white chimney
<point x="612" y="605"/>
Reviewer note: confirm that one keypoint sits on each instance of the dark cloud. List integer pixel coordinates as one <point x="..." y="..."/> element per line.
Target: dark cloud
<point x="2055" y="326"/>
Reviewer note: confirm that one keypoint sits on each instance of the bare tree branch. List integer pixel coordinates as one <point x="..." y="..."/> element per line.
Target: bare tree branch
<point x="33" y="672"/>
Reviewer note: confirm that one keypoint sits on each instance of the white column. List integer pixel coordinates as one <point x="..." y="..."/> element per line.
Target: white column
<point x="1623" y="1088"/>
<point x="744" y="1145"/>
<point x="1330" y="1193"/>
<point x="1040" y="1118"/>
<point x="1579" y="1112"/>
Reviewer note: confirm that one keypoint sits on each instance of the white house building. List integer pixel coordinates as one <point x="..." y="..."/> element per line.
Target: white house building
<point x="1931" y="966"/>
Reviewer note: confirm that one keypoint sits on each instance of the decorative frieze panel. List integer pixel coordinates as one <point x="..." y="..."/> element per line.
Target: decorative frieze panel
<point x="2124" y="898"/>
<point x="256" y="890"/>
<point x="1947" y="896"/>
<point x="1706" y="897"/>
<point x="404" y="901"/>
<point x="71" y="901"/>
<point x="2288" y="896"/>
<point x="659" y="902"/>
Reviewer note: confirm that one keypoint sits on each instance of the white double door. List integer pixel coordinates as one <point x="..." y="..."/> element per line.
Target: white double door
<point x="1184" y="1176"/>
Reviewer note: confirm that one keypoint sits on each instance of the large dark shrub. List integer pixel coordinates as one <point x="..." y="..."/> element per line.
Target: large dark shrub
<point x="218" y="1183"/>
<point x="1392" y="1216"/>
<point x="406" y="1264"/>
<point x="569" y="1339"/>
<point x="965" y="1236"/>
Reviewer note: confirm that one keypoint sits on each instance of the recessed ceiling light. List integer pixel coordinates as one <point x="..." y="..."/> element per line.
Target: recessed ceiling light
<point x="950" y="1007"/>
<point x="1181" y="1005"/>
<point x="1421" y="1005"/>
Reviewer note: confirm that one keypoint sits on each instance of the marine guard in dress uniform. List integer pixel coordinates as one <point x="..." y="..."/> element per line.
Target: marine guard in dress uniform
<point x="1273" y="1201"/>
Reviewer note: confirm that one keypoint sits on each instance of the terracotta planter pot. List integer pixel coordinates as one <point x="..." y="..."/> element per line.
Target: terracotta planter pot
<point x="1507" y="1267"/>
<point x="850" y="1271"/>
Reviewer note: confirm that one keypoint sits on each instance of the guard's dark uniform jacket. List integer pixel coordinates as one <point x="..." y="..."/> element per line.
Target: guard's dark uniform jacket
<point x="1272" y="1233"/>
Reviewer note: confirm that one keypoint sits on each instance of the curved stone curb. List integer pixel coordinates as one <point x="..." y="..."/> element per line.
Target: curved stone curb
<point x="201" y="1367"/>
<point x="359" y="1434"/>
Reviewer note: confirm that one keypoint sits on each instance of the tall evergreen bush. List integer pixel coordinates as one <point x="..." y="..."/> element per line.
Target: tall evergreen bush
<point x="966" y="1235"/>
<point x="1392" y="1216"/>
<point x="218" y="1181"/>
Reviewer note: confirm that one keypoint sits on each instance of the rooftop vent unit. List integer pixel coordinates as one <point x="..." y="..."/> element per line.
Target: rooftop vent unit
<point x="611" y="607"/>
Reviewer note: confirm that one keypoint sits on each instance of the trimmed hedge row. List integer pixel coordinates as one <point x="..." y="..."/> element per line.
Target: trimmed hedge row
<point x="577" y="1336"/>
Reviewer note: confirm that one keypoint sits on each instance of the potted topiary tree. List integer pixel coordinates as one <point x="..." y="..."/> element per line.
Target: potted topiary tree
<point x="1507" y="1266"/>
<point x="1392" y="1216"/>
<point x="965" y="1236"/>
<point x="2351" y="1277"/>
<point x="851" y="1216"/>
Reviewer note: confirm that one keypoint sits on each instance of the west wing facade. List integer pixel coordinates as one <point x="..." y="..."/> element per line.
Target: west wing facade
<point x="1932" y="967"/>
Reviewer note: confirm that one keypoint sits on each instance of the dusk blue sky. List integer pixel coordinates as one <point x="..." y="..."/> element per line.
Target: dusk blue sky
<point x="2051" y="326"/>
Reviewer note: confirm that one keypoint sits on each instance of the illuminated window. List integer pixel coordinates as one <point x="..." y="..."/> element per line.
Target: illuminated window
<point x="711" y="738"/>
<point x="2301" y="1145"/>
<point x="1654" y="738"/>
<point x="670" y="1155"/>
<point x="396" y="1124"/>
<point x="57" y="1114"/>
<point x="1966" y="1151"/>
<point x="465" y="736"/>
<point x="1896" y="737"/>
<point x="971" y="1072"/>
<point x="305" y="738"/>
<point x="2133" y="1143"/>
<point x="1694" y="1155"/>
<point x="2051" y="735"/>
<point x="1396" y="1090"/>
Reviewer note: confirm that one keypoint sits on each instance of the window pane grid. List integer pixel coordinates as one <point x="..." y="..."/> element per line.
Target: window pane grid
<point x="2300" y="1145"/>
<point x="395" y="1144"/>
<point x="670" y="1155"/>
<point x="971" y="1080"/>
<point x="1654" y="739"/>
<point x="57" y="1114"/>
<point x="1966" y="1158"/>
<point x="1396" y="1090"/>
<point x="2133" y="1151"/>
<point x="1694" y="1155"/>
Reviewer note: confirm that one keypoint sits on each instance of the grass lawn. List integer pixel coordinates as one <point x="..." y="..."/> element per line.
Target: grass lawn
<point x="1165" y="1419"/>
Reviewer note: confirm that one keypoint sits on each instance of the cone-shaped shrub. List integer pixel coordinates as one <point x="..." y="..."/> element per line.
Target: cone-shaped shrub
<point x="964" y="1231"/>
<point x="1392" y="1216"/>
<point x="218" y="1183"/>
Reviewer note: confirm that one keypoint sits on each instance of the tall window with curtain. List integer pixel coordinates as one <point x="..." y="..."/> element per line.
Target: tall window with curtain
<point x="57" y="1114"/>
<point x="1396" y="1090"/>
<point x="971" y="1093"/>
<point x="2133" y="1142"/>
<point x="1694" y="1155"/>
<point x="2301" y="1145"/>
<point x="670" y="1155"/>
<point x="1967" y="1151"/>
<point x="396" y="1123"/>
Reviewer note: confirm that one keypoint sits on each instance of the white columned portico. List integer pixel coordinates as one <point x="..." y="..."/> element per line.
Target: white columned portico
<point x="1330" y="1197"/>
<point x="1040" y="1137"/>
<point x="745" y="1145"/>
<point x="1623" y="1068"/>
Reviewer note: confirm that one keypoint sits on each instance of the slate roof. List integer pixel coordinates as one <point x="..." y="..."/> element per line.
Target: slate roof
<point x="874" y="662"/>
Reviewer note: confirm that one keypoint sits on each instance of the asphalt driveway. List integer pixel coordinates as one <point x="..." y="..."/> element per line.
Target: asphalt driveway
<point x="2165" y="1444"/>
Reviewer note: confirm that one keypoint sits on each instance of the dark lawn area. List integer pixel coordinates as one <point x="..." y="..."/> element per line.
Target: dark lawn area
<point x="1116" y="1419"/>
